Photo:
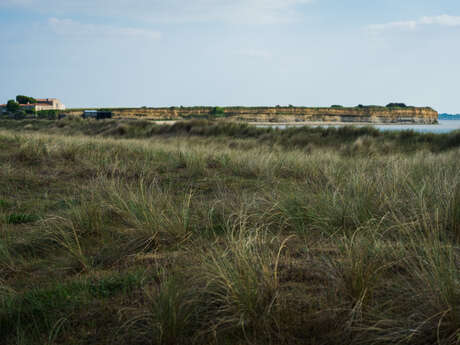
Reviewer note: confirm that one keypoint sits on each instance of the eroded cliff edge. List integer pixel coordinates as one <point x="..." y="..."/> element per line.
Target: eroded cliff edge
<point x="363" y="114"/>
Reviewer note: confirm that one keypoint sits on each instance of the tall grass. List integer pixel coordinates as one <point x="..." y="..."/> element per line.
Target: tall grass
<point x="168" y="316"/>
<point x="242" y="284"/>
<point x="350" y="140"/>
<point x="243" y="235"/>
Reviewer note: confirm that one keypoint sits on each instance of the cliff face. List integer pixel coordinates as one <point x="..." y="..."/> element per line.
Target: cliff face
<point x="288" y="114"/>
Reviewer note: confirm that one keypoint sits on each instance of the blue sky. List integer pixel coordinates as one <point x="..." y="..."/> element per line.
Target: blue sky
<point x="232" y="52"/>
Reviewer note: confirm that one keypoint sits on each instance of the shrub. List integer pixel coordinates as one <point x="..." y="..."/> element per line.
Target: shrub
<point x="19" y="115"/>
<point x="218" y="112"/>
<point x="12" y="106"/>
<point x="48" y="114"/>
<point x="396" y="105"/>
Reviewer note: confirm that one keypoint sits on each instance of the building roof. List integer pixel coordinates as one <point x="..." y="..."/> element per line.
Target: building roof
<point x="44" y="101"/>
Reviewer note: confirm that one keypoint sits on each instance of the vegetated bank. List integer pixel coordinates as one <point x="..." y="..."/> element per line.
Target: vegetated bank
<point x="224" y="234"/>
<point x="346" y="138"/>
<point x="393" y="113"/>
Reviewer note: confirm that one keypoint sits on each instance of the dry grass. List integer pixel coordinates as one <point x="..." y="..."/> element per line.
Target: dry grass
<point x="226" y="241"/>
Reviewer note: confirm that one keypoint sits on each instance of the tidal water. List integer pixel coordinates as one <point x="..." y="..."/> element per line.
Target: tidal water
<point x="444" y="126"/>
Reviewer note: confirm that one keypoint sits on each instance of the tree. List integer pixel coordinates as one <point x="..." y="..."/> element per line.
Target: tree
<point x="12" y="106"/>
<point x="218" y="111"/>
<point x="25" y="99"/>
<point x="396" y="105"/>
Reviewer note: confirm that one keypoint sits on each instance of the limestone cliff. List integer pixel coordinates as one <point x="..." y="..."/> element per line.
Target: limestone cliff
<point x="372" y="114"/>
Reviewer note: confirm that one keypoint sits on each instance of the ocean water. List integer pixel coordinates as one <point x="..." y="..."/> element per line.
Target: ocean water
<point x="444" y="126"/>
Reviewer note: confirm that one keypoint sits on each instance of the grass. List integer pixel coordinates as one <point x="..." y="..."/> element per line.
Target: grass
<point x="347" y="139"/>
<point x="20" y="218"/>
<point x="205" y="233"/>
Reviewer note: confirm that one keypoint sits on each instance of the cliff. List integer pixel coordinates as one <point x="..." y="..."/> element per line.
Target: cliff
<point x="371" y="114"/>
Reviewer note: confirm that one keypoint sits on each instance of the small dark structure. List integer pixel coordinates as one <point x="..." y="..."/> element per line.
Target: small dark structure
<point x="96" y="114"/>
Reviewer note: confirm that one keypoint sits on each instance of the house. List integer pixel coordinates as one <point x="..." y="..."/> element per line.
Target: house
<point x="46" y="104"/>
<point x="41" y="104"/>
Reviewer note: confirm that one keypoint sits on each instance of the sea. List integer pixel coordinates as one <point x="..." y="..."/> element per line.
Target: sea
<point x="445" y="125"/>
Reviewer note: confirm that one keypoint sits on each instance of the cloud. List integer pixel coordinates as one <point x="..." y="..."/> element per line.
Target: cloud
<point x="234" y="11"/>
<point x="74" y="29"/>
<point x="407" y="25"/>
<point x="411" y="25"/>
<point x="443" y="20"/>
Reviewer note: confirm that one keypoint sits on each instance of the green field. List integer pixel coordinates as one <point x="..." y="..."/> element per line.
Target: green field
<point x="127" y="232"/>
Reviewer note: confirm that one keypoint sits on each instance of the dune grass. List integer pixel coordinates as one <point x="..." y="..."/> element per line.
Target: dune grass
<point x="228" y="236"/>
<point x="347" y="139"/>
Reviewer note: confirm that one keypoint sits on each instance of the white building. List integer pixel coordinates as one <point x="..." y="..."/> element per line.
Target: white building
<point x="41" y="104"/>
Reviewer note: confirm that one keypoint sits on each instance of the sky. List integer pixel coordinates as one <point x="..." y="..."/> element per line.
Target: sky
<point x="125" y="53"/>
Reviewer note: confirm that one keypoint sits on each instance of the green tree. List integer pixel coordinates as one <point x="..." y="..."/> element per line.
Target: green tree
<point x="396" y="105"/>
<point x="12" y="106"/>
<point x="218" y="111"/>
<point x="25" y="99"/>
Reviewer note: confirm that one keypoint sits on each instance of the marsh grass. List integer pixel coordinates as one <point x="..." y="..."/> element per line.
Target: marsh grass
<point x="243" y="235"/>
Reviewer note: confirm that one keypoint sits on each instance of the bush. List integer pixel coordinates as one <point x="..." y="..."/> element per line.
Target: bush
<point x="48" y="114"/>
<point x="12" y="106"/>
<point x="218" y="112"/>
<point x="396" y="105"/>
<point x="336" y="106"/>
<point x="19" y="115"/>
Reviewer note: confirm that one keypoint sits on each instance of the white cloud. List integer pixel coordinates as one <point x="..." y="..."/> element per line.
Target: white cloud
<point x="442" y="20"/>
<point x="71" y="28"/>
<point x="407" y="25"/>
<point x="234" y="11"/>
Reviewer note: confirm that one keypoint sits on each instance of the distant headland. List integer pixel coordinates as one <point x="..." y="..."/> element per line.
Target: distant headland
<point x="372" y="114"/>
<point x="392" y="113"/>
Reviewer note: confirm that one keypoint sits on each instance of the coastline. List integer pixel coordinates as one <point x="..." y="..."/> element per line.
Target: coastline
<point x="310" y="123"/>
<point x="334" y="123"/>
